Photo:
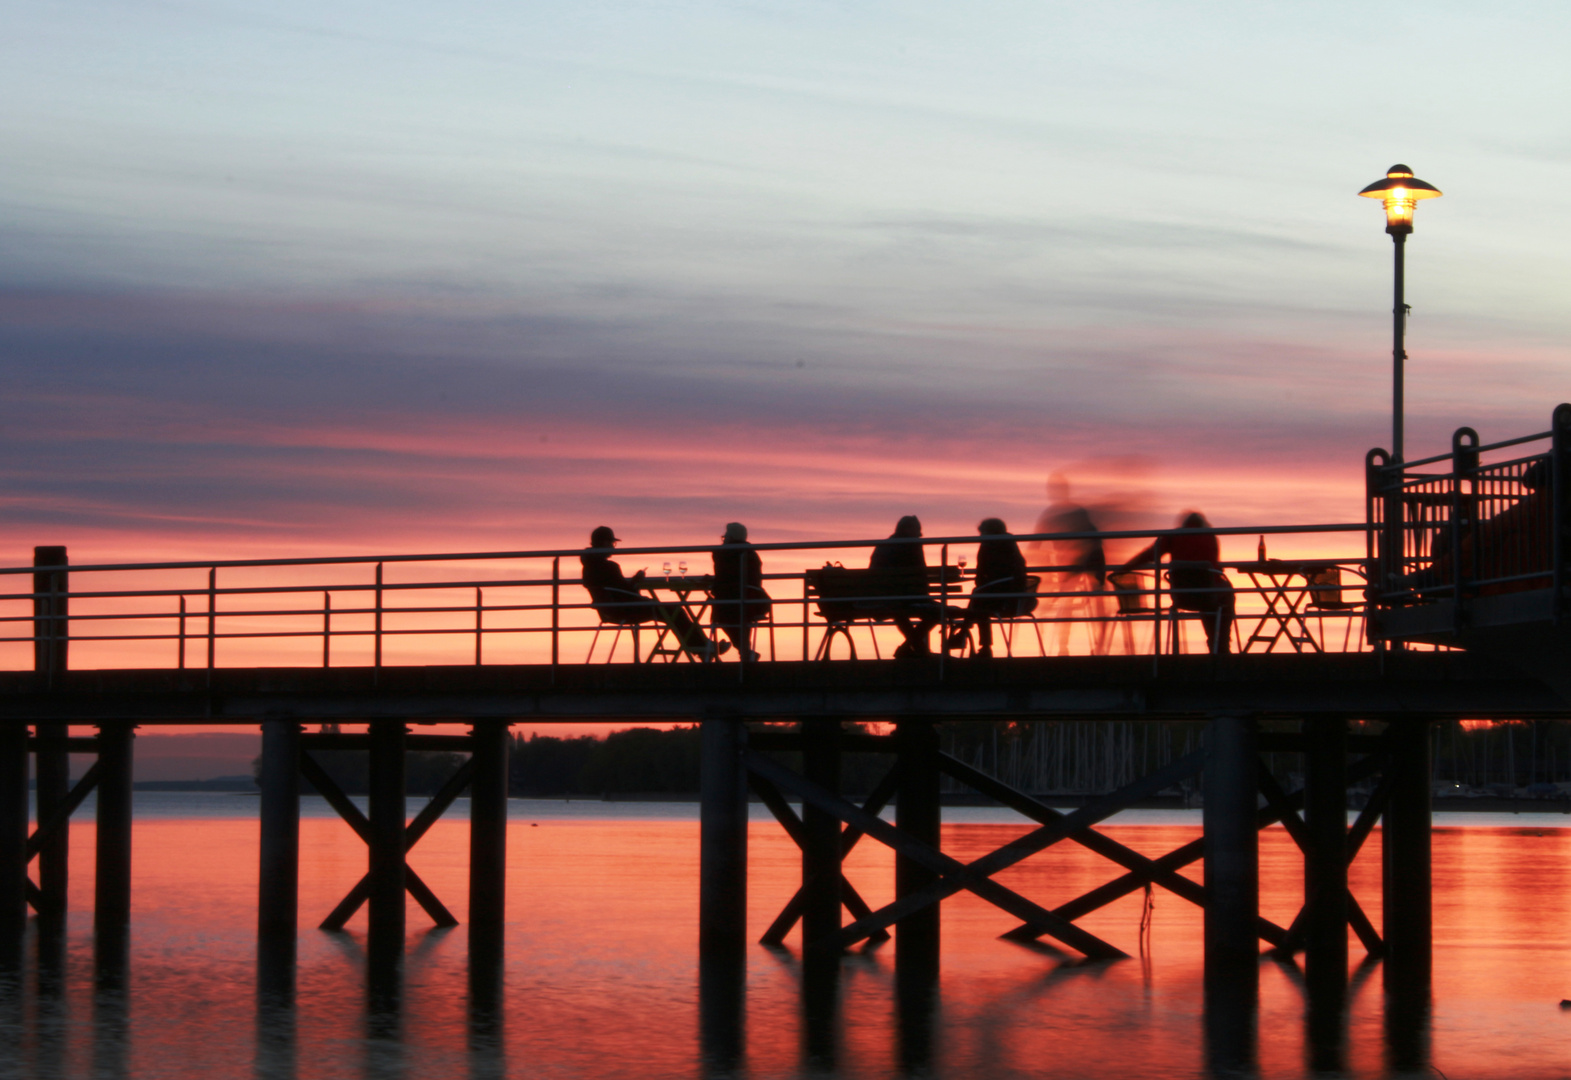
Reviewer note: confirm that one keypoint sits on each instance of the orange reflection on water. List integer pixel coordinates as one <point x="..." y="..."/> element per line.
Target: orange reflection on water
<point x="601" y="974"/>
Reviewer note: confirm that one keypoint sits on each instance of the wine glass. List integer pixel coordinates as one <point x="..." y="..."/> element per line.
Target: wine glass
<point x="962" y="562"/>
<point x="681" y="568"/>
<point x="665" y="568"/>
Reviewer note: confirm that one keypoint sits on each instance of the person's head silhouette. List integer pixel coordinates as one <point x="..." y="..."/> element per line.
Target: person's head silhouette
<point x="603" y="537"/>
<point x="908" y="526"/>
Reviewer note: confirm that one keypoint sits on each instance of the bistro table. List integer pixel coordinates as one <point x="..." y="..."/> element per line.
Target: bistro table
<point x="682" y="587"/>
<point x="1284" y="616"/>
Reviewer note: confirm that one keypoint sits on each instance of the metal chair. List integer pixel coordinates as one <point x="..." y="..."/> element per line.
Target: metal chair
<point x="1325" y="594"/>
<point x="618" y="611"/>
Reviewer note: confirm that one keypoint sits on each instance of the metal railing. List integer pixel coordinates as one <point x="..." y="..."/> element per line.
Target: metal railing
<point x="1479" y="521"/>
<point x="531" y="607"/>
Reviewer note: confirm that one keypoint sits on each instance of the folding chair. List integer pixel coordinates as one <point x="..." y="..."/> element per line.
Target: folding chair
<point x="1325" y="594"/>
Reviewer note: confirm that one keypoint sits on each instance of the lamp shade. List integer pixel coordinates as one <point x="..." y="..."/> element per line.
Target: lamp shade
<point x="1400" y="192"/>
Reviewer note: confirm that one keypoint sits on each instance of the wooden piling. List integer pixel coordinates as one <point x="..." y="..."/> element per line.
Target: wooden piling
<point x="917" y="813"/>
<point x="278" y="884"/>
<point x="488" y="837"/>
<point x="820" y="834"/>
<point x="385" y="848"/>
<point x="112" y="889"/>
<point x="722" y="864"/>
<point x="1325" y="863"/>
<point x="1407" y="825"/>
<point x="1325" y="891"/>
<point x="13" y="845"/>
<point x="1232" y="855"/>
<point x="52" y="772"/>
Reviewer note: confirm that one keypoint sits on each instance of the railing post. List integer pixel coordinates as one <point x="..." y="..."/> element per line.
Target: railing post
<point x="479" y="628"/>
<point x="212" y="613"/>
<point x="182" y="632"/>
<point x="327" y="628"/>
<point x="378" y="615"/>
<point x="556" y="613"/>
<point x="51" y="655"/>
<point x="51" y="612"/>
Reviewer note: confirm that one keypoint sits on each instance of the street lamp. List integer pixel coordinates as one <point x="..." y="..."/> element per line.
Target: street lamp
<point x="1400" y="191"/>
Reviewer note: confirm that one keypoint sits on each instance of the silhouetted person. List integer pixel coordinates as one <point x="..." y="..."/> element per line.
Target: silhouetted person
<point x="1084" y="557"/>
<point x="619" y="599"/>
<point x="1000" y="568"/>
<point x="908" y="568"/>
<point x="739" y="599"/>
<point x="1195" y="573"/>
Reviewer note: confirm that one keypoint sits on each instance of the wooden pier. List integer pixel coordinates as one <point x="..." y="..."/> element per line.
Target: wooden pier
<point x="1354" y="715"/>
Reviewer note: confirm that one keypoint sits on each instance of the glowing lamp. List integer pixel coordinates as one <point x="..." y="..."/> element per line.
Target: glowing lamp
<point x="1400" y="192"/>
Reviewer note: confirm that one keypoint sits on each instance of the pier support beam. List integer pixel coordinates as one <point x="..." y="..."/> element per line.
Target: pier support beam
<point x="820" y="835"/>
<point x="1406" y="903"/>
<point x="1232" y="894"/>
<point x="278" y="883"/>
<point x="1325" y="888"/>
<point x="385" y="848"/>
<point x="722" y="864"/>
<point x="52" y="774"/>
<point x="112" y="889"/>
<point x="488" y="837"/>
<point x="13" y="847"/>
<point x="918" y="814"/>
<point x="722" y="892"/>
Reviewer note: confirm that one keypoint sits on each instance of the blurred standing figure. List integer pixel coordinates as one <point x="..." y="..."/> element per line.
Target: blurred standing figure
<point x="1000" y="568"/>
<point x="738" y="594"/>
<point x="1195" y="572"/>
<point x="909" y="566"/>
<point x="1085" y="557"/>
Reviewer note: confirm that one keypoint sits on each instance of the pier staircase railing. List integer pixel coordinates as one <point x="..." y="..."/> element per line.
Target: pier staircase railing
<point x="1472" y="540"/>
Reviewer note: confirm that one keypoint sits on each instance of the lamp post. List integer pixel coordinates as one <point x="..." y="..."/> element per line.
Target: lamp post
<point x="1400" y="192"/>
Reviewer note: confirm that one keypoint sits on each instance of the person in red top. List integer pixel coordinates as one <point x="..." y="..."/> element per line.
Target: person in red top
<point x="1195" y="573"/>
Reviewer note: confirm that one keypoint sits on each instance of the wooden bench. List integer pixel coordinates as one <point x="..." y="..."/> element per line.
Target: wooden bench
<point x="847" y="596"/>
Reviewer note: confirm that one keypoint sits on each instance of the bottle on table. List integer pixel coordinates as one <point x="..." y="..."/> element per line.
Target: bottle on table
<point x="1261" y="551"/>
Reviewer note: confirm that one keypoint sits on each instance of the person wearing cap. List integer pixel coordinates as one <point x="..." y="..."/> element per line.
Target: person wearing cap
<point x="739" y="599"/>
<point x="619" y="599"/>
<point x="906" y="563"/>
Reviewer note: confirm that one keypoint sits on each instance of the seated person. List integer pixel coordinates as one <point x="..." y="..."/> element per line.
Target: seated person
<point x="739" y="599"/>
<point x="618" y="599"/>
<point x="908" y="566"/>
<point x="1196" y="576"/>
<point x="1000" y="568"/>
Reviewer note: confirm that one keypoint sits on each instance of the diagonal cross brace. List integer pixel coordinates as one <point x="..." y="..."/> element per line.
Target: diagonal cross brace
<point x="1022" y="847"/>
<point x="955" y="876"/>
<point x="357" y="821"/>
<point x="60" y="819"/>
<point x="1368" y="936"/>
<point x="848" y="839"/>
<point x="1178" y="858"/>
<point x="1100" y="843"/>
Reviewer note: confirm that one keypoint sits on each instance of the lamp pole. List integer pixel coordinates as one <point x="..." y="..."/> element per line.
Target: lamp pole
<point x="1398" y="349"/>
<point x="1400" y="192"/>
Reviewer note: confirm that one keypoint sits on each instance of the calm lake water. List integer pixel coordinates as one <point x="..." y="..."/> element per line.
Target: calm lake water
<point x="601" y="969"/>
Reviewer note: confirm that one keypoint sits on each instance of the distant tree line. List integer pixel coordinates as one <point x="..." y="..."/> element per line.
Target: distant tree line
<point x="425" y="771"/>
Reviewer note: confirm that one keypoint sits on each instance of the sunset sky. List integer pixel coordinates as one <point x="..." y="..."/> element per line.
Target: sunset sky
<point x="293" y="278"/>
